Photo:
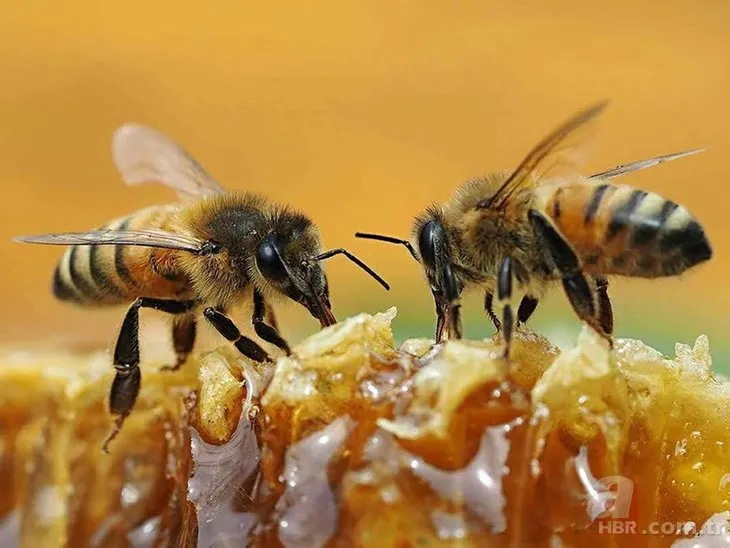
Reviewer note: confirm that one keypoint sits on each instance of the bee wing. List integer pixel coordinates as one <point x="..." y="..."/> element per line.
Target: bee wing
<point x="146" y="238"/>
<point x="643" y="164"/>
<point x="143" y="155"/>
<point x="563" y="151"/>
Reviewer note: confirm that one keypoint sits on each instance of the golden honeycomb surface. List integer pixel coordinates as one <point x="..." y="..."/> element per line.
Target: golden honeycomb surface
<point x="354" y="441"/>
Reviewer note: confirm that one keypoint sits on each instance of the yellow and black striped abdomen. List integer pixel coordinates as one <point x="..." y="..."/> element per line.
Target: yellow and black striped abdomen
<point x="100" y="275"/>
<point x="617" y="229"/>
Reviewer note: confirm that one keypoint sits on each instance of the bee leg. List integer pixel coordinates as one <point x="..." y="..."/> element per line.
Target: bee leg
<point x="183" y="339"/>
<point x="228" y="329"/>
<point x="582" y="297"/>
<point x="504" y="294"/>
<point x="270" y="317"/>
<point x="489" y="308"/>
<point x="527" y="307"/>
<point x="128" y="378"/>
<point x="605" y="312"/>
<point x="125" y="387"/>
<point x="263" y="330"/>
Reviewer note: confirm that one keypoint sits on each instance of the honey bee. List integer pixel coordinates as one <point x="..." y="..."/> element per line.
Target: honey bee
<point x="516" y="233"/>
<point x="210" y="250"/>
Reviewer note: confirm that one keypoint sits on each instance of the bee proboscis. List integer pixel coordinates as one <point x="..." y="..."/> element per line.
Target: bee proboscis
<point x="211" y="251"/>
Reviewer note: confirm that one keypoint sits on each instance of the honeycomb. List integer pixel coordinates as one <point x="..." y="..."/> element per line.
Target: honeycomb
<point x="354" y="441"/>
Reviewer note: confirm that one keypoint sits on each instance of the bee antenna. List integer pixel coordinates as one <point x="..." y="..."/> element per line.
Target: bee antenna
<point x="390" y="240"/>
<point x="341" y="251"/>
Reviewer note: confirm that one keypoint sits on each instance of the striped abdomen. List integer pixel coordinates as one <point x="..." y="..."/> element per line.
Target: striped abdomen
<point x="98" y="275"/>
<point x="617" y="229"/>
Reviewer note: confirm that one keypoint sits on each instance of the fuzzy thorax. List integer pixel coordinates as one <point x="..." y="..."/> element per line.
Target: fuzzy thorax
<point x="239" y="223"/>
<point x="478" y="239"/>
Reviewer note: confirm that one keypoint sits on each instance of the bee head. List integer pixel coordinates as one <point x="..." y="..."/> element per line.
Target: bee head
<point x="445" y="284"/>
<point x="434" y="254"/>
<point x="284" y="261"/>
<point x="290" y="261"/>
<point x="436" y="260"/>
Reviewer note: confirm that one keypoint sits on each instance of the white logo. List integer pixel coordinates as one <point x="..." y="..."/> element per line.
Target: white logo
<point x="611" y="498"/>
<point x="607" y="497"/>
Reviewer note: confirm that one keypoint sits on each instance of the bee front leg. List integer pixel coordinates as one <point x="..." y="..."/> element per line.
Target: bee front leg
<point x="581" y="295"/>
<point x="263" y="330"/>
<point x="504" y="294"/>
<point x="225" y="326"/>
<point x="270" y="317"/>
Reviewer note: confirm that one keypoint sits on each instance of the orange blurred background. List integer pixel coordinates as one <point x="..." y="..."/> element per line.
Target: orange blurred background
<point x="360" y="114"/>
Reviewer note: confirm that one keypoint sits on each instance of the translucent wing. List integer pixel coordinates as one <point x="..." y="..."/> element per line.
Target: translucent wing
<point x="643" y="164"/>
<point x="563" y="151"/>
<point x="146" y="238"/>
<point x="143" y="155"/>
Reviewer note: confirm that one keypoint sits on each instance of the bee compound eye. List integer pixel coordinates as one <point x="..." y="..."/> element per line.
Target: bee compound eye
<point x="427" y="241"/>
<point x="269" y="261"/>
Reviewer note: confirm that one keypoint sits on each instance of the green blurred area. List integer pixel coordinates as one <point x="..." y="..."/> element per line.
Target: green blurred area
<point x="659" y="323"/>
<point x="562" y="330"/>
